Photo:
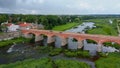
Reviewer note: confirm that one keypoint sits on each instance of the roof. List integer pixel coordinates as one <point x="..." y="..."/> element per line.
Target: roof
<point x="8" y="24"/>
<point x="24" y="24"/>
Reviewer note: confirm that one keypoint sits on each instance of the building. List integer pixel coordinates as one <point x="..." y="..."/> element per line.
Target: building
<point x="12" y="27"/>
<point x="24" y="26"/>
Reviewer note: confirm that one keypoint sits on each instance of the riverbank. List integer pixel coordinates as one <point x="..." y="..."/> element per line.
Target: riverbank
<point x="65" y="26"/>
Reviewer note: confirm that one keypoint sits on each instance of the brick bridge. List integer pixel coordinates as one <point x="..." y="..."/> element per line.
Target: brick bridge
<point x="99" y="39"/>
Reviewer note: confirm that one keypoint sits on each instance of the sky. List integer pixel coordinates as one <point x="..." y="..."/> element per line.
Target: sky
<point x="60" y="7"/>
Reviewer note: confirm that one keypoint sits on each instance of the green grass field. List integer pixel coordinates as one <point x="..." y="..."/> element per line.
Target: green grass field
<point x="104" y="30"/>
<point x="103" y="27"/>
<point x="112" y="61"/>
<point x="65" y="27"/>
<point x="98" y="20"/>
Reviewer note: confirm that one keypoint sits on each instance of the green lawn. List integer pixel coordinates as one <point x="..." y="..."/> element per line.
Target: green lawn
<point x="112" y="61"/>
<point x="104" y="31"/>
<point x="98" y="20"/>
<point x="46" y="63"/>
<point x="65" y="27"/>
<point x="71" y="64"/>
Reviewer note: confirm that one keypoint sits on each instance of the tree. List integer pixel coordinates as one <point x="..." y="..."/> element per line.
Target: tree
<point x="77" y="20"/>
<point x="3" y="18"/>
<point x="118" y="26"/>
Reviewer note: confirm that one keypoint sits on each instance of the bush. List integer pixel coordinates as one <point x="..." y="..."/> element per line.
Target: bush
<point x="16" y="40"/>
<point x="55" y="51"/>
<point x="78" y="53"/>
<point x="102" y="54"/>
<point x="69" y="53"/>
<point x="83" y="54"/>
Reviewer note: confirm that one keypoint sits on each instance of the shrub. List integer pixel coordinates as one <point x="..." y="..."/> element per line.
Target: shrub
<point x="77" y="53"/>
<point x="55" y="51"/>
<point x="10" y="42"/>
<point x="69" y="53"/>
<point x="102" y="54"/>
<point x="83" y="54"/>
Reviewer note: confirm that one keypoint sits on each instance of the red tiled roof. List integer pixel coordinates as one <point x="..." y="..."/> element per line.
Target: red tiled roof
<point x="24" y="24"/>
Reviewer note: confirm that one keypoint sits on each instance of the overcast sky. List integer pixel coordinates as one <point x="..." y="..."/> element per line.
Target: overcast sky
<point x="60" y="6"/>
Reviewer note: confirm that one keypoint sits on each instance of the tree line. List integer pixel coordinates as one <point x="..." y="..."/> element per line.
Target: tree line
<point x="49" y="21"/>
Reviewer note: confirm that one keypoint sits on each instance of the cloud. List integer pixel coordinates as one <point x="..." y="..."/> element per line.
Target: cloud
<point x="59" y="6"/>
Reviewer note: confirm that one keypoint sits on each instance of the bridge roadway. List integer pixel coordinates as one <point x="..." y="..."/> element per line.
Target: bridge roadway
<point x="99" y="39"/>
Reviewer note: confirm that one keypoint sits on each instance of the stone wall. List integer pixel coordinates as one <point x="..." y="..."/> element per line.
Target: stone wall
<point x="10" y="35"/>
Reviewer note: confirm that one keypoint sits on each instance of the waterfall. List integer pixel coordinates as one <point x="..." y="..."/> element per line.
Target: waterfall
<point x="11" y="48"/>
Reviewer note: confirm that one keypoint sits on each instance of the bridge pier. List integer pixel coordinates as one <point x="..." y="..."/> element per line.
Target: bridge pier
<point x="38" y="38"/>
<point x="27" y="36"/>
<point x="64" y="43"/>
<point x="51" y="41"/>
<point x="99" y="47"/>
<point x="80" y="44"/>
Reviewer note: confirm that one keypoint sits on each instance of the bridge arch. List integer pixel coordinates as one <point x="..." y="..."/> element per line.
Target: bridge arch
<point x="27" y="33"/>
<point x="110" y="41"/>
<point x="91" y="41"/>
<point x="30" y="35"/>
<point x="96" y="41"/>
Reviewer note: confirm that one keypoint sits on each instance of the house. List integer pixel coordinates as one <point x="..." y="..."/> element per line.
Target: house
<point x="22" y="26"/>
<point x="25" y="25"/>
<point x="12" y="27"/>
<point x="37" y="26"/>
